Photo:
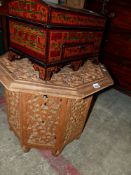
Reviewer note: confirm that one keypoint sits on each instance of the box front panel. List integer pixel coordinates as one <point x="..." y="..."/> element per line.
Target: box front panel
<point x="29" y="39"/>
<point x="29" y="9"/>
<point x="72" y="44"/>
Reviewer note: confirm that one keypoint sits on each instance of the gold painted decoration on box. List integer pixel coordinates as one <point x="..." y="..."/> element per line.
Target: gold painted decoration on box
<point x="76" y="19"/>
<point x="29" y="9"/>
<point x="28" y="38"/>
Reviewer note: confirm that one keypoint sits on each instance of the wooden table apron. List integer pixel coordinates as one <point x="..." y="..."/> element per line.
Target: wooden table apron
<point x="48" y="114"/>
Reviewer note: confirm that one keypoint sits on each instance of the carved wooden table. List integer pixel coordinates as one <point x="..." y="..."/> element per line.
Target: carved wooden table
<point x="49" y="114"/>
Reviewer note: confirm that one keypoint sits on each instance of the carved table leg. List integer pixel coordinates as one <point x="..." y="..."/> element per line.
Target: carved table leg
<point x="56" y="152"/>
<point x="25" y="148"/>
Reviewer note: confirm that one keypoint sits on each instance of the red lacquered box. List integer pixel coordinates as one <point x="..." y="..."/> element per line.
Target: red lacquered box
<point x="52" y="35"/>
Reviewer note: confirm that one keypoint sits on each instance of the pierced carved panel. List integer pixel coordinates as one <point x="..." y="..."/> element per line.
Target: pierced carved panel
<point x="76" y="118"/>
<point x="48" y="121"/>
<point x="41" y="119"/>
<point x="13" y="108"/>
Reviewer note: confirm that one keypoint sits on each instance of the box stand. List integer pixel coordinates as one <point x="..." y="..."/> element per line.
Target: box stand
<point x="49" y="114"/>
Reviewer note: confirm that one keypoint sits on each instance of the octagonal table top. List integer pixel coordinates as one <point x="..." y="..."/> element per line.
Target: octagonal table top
<point x="19" y="75"/>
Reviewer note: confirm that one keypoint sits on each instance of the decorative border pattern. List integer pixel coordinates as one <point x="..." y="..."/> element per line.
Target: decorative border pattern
<point x="29" y="9"/>
<point x="89" y="40"/>
<point x="75" y="19"/>
<point x="29" y="37"/>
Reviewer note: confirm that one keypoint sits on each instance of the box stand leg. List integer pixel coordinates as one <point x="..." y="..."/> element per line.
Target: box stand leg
<point x="45" y="73"/>
<point x="25" y="148"/>
<point x="13" y="56"/>
<point x="75" y="65"/>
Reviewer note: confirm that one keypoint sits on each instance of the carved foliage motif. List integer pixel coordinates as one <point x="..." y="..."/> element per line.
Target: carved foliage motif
<point x="88" y="73"/>
<point x="76" y="118"/>
<point x="23" y="70"/>
<point x="36" y="119"/>
<point x="13" y="108"/>
<point x="41" y="119"/>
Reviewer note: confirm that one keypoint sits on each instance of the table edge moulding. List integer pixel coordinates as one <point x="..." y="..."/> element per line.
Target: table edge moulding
<point x="49" y="114"/>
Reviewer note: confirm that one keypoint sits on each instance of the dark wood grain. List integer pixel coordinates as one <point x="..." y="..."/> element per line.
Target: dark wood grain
<point x="116" y="48"/>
